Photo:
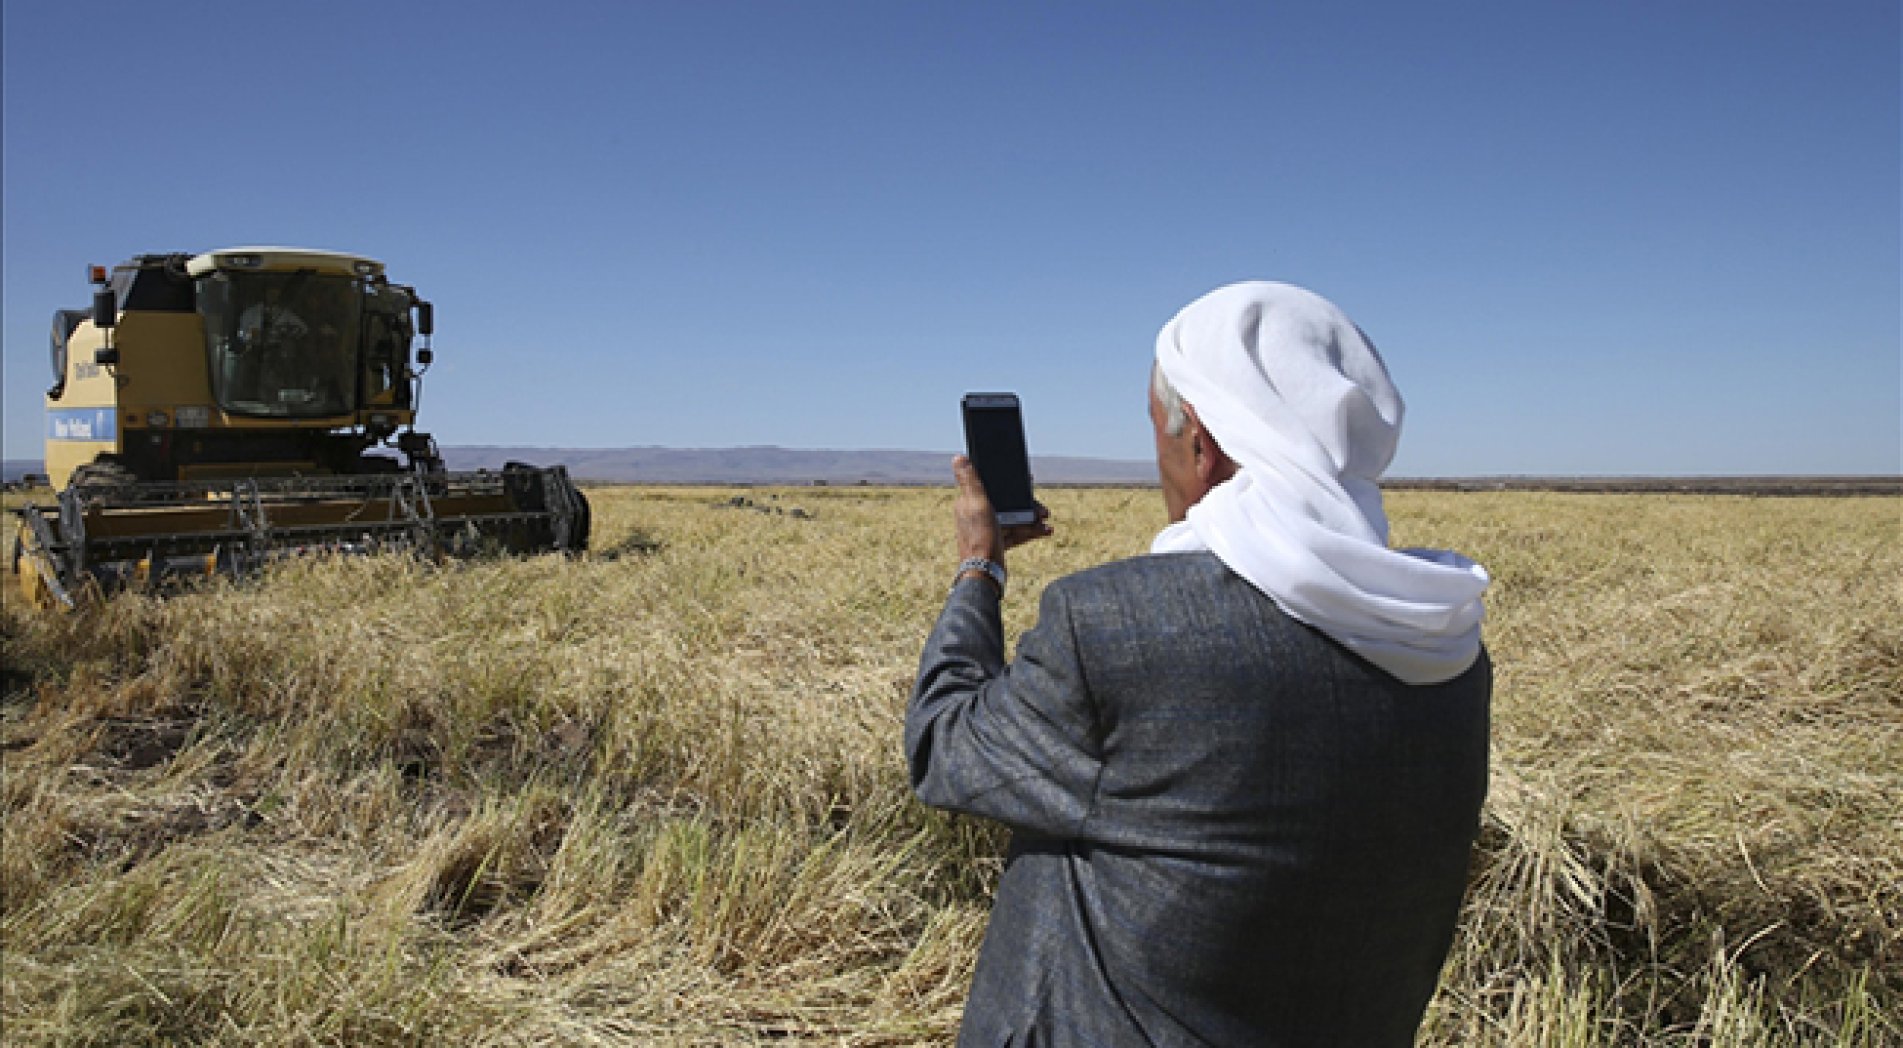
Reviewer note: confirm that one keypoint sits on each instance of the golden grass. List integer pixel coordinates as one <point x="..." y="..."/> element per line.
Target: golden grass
<point x="655" y="795"/>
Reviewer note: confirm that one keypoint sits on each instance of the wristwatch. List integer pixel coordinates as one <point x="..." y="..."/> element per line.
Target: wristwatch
<point x="991" y="568"/>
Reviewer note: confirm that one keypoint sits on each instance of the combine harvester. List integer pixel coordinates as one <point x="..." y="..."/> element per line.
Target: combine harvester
<point x="212" y="413"/>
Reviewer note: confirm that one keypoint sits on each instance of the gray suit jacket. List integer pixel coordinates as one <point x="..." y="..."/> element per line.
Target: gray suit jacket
<point x="1228" y="829"/>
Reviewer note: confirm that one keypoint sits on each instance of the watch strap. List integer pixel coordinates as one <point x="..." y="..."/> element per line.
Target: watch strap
<point x="990" y="567"/>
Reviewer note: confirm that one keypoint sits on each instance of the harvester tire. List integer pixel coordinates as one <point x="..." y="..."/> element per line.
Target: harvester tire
<point x="584" y="522"/>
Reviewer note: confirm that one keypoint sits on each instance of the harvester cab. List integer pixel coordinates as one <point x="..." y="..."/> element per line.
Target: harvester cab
<point x="213" y="412"/>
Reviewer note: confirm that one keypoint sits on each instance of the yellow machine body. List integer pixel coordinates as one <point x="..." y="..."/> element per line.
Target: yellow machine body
<point x="155" y="409"/>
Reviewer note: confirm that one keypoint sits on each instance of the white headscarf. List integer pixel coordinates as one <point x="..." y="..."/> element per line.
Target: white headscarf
<point x="1298" y="397"/>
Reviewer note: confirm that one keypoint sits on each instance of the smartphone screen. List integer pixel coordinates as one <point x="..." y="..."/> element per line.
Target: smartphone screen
<point x="994" y="441"/>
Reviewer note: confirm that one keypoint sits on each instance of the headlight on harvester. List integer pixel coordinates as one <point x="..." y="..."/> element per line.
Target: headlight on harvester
<point x="157" y="418"/>
<point x="196" y="417"/>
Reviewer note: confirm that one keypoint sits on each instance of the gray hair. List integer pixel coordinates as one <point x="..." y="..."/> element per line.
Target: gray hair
<point x="1173" y="417"/>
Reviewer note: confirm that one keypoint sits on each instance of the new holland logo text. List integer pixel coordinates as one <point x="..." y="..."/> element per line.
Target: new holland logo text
<point x="81" y="424"/>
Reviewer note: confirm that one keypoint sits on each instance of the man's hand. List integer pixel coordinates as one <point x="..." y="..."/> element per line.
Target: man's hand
<point x="978" y="531"/>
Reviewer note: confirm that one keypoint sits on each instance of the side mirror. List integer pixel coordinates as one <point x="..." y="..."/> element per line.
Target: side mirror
<point x="105" y="308"/>
<point x="425" y="319"/>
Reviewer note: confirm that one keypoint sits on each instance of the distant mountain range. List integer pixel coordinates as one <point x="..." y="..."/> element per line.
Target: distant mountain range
<point x="755" y="465"/>
<point x="799" y="466"/>
<point x="776" y="465"/>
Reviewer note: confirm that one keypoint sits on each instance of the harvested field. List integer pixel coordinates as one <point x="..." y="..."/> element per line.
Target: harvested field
<point x="655" y="795"/>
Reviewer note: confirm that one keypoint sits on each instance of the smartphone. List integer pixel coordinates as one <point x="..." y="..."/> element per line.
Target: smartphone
<point x="994" y="441"/>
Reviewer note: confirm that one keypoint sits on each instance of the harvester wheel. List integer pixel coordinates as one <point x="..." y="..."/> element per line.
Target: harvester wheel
<point x="27" y="577"/>
<point x="584" y="522"/>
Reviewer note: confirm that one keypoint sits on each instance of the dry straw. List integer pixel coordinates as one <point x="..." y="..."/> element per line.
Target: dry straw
<point x="655" y="795"/>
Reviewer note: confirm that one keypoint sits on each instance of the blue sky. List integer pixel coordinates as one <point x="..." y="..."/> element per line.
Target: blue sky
<point x="1588" y="237"/>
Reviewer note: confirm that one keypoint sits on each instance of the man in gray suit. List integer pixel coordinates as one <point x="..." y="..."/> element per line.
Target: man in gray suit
<point x="1243" y="773"/>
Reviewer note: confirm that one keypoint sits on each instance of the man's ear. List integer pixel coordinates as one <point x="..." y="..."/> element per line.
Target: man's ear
<point x="1213" y="465"/>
